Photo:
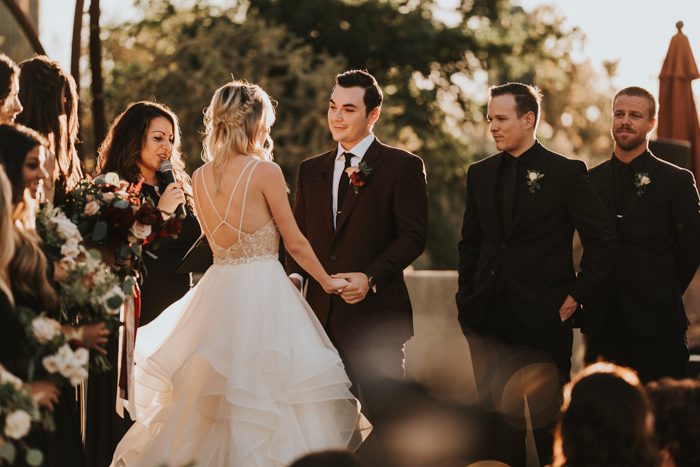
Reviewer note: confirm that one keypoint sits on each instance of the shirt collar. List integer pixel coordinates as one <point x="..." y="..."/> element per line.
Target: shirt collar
<point x="638" y="164"/>
<point x="359" y="149"/>
<point x="525" y="157"/>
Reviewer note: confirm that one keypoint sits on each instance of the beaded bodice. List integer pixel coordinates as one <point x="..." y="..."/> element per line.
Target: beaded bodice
<point x="259" y="245"/>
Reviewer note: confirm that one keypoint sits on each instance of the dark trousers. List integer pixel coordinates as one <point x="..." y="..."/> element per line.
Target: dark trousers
<point x="512" y="362"/>
<point x="652" y="358"/>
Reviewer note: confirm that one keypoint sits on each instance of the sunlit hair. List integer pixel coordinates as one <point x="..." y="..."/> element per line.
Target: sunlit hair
<point x="120" y="151"/>
<point x="636" y="91"/>
<point x="7" y="237"/>
<point x="237" y="122"/>
<point x="16" y="141"/>
<point x="527" y="97"/>
<point x="50" y="100"/>
<point x="604" y="420"/>
<point x="8" y="70"/>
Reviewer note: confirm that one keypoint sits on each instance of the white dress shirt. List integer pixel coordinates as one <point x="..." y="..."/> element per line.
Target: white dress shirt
<point x="358" y="152"/>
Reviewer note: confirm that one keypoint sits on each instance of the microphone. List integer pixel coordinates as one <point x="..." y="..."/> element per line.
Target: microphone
<point x="166" y="168"/>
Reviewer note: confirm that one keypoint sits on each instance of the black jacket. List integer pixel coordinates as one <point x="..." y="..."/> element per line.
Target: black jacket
<point x="659" y="237"/>
<point x="534" y="258"/>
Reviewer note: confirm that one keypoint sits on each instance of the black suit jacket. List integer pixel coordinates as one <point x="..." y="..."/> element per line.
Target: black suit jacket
<point x="534" y="258"/>
<point x="659" y="238"/>
<point x="381" y="231"/>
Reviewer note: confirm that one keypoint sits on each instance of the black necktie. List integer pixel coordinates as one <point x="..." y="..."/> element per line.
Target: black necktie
<point x="510" y="181"/>
<point x="344" y="183"/>
<point x="622" y="182"/>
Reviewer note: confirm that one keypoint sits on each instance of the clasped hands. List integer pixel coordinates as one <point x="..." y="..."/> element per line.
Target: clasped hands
<point x="351" y="286"/>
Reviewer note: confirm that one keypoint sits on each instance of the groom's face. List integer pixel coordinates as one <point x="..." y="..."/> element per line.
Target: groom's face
<point x="347" y="116"/>
<point x="510" y="131"/>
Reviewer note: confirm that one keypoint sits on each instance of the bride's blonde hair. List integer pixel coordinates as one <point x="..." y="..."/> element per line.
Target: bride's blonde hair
<point x="237" y="122"/>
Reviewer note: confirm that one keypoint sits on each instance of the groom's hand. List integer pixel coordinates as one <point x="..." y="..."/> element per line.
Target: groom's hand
<point x="357" y="290"/>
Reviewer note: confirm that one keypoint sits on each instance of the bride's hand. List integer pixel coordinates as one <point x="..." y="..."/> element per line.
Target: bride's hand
<point x="335" y="286"/>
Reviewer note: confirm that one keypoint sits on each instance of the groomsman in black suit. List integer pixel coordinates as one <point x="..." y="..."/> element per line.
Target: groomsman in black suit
<point x="640" y="322"/>
<point x="517" y="285"/>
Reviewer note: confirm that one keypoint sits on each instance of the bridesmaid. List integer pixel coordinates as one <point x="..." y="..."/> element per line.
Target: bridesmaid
<point x="23" y="155"/>
<point x="140" y="139"/>
<point x="50" y="100"/>
<point x="10" y="106"/>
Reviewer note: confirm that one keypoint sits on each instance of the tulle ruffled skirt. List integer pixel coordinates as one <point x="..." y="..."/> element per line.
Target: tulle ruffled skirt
<point x="239" y="372"/>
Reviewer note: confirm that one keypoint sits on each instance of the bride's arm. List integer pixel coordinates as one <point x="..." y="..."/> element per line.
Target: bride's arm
<point x="274" y="189"/>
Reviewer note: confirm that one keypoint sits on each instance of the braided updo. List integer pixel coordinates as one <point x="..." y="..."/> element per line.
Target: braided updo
<point x="237" y="122"/>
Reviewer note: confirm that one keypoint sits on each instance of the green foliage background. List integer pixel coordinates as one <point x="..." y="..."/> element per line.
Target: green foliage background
<point x="435" y="73"/>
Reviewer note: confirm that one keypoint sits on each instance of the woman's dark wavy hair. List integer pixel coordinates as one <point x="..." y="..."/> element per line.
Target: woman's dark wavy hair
<point x="28" y="269"/>
<point x="120" y="151"/>
<point x="604" y="421"/>
<point x="15" y="143"/>
<point x="48" y="93"/>
<point x="8" y="70"/>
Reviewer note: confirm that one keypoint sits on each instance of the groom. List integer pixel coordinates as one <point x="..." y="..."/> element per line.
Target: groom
<point x="364" y="208"/>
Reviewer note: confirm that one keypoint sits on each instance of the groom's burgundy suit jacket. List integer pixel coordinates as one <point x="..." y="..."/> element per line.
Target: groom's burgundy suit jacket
<point x="381" y="230"/>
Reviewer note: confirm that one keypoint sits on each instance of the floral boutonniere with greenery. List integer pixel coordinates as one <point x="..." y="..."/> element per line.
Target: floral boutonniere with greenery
<point x="359" y="175"/>
<point x="533" y="180"/>
<point x="641" y="182"/>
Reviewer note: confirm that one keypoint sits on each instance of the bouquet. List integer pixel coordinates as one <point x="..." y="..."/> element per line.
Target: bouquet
<point x="113" y="213"/>
<point x="17" y="413"/>
<point x="89" y="291"/>
<point x="64" y="361"/>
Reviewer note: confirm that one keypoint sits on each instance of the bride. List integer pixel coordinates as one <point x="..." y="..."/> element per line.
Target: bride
<point x="239" y="372"/>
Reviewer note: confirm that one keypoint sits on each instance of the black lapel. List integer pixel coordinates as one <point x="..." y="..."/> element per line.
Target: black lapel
<point x="489" y="180"/>
<point x="373" y="160"/>
<point x="636" y="198"/>
<point x="539" y="164"/>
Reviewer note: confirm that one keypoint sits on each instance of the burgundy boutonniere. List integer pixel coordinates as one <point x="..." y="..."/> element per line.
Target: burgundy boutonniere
<point x="359" y="175"/>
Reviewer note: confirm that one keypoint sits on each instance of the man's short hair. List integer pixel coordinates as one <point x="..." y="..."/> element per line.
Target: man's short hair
<point x="636" y="91"/>
<point x="362" y="79"/>
<point x="527" y="97"/>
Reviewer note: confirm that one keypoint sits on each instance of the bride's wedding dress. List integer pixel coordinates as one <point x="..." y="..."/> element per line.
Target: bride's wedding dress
<point x="239" y="372"/>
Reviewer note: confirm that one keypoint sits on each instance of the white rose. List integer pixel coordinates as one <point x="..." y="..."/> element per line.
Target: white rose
<point x="79" y="375"/>
<point x="45" y="329"/>
<point x="7" y="377"/>
<point x="532" y="176"/>
<point x="91" y="208"/>
<point x="82" y="355"/>
<point x="109" y="197"/>
<point x="140" y="231"/>
<point x="17" y="424"/>
<point x="645" y="180"/>
<point x="68" y="263"/>
<point x="112" y="178"/>
<point x="71" y="248"/>
<point x="66" y="228"/>
<point x="50" y="364"/>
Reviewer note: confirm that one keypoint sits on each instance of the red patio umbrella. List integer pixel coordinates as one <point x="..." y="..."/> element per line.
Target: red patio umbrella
<point x="678" y="116"/>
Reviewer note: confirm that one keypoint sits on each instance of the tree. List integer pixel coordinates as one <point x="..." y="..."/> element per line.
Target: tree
<point x="180" y="57"/>
<point x="435" y="78"/>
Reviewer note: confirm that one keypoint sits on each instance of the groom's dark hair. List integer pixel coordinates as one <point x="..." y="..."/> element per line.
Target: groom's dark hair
<point x="362" y="79"/>
<point x="527" y="97"/>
